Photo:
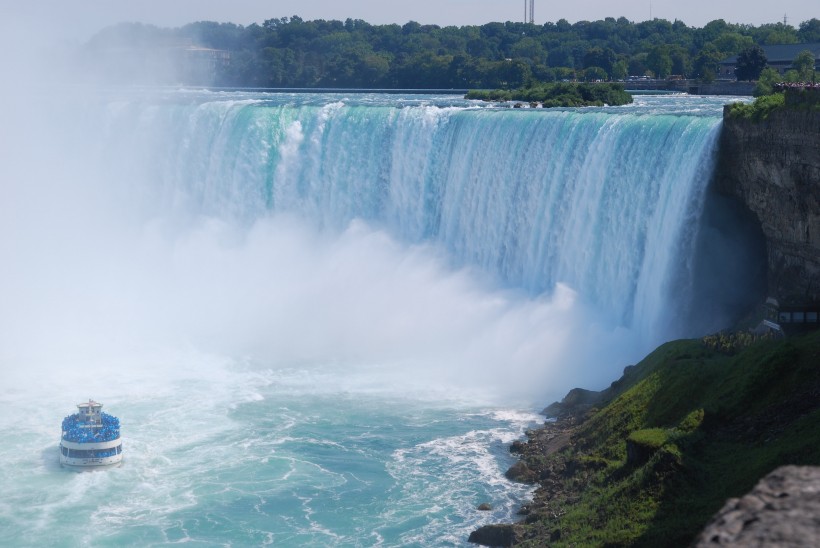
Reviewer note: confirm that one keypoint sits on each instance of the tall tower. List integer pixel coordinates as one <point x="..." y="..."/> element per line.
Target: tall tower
<point x="529" y="17"/>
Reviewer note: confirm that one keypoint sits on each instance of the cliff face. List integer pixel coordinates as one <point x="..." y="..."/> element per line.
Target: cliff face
<point x="773" y="167"/>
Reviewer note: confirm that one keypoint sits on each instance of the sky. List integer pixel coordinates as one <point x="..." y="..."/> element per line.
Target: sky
<point x="80" y="19"/>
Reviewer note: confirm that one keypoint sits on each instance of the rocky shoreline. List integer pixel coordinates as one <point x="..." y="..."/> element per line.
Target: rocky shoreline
<point x="540" y="461"/>
<point x="650" y="460"/>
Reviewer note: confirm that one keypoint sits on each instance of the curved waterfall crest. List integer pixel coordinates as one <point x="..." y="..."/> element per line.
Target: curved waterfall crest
<point x="602" y="201"/>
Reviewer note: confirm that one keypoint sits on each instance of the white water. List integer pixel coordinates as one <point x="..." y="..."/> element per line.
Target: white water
<point x="317" y="315"/>
<point x="374" y="229"/>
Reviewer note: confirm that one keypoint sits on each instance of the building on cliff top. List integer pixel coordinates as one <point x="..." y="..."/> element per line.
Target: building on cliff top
<point x="779" y="57"/>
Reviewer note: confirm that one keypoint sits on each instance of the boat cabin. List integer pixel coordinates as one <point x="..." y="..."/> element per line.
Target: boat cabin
<point x="90" y="413"/>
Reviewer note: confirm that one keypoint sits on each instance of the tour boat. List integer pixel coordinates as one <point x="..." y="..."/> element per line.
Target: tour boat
<point x="91" y="438"/>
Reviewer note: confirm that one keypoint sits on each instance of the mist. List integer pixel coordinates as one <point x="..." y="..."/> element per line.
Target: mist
<point x="89" y="288"/>
<point x="102" y="283"/>
<point x="111" y="273"/>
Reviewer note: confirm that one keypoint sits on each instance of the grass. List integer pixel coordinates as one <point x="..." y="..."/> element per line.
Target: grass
<point x="651" y="438"/>
<point x="716" y="423"/>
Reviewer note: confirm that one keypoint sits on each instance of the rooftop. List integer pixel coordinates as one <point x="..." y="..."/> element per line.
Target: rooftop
<point x="781" y="53"/>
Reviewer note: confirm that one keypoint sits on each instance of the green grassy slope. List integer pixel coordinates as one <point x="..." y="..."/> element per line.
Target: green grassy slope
<point x="702" y="427"/>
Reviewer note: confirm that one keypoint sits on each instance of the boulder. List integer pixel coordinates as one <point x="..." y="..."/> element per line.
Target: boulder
<point x="517" y="446"/>
<point x="783" y="509"/>
<point x="493" y="535"/>
<point x="520" y="472"/>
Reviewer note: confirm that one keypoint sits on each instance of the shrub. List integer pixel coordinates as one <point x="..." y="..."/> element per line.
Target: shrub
<point x="760" y="109"/>
<point x="692" y="421"/>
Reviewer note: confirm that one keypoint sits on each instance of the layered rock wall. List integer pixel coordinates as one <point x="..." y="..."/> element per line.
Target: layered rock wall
<point x="773" y="167"/>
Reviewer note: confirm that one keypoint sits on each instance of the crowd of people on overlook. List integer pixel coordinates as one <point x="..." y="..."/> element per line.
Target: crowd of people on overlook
<point x="781" y="86"/>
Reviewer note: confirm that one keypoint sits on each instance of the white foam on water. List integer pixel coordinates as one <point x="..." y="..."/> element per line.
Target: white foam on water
<point x="445" y="473"/>
<point x="237" y="307"/>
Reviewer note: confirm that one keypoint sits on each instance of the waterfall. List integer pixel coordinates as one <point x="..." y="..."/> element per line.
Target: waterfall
<point x="603" y="201"/>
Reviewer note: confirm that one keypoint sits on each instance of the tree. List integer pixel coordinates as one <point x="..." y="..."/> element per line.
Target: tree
<point x="561" y="57"/>
<point x="595" y="74"/>
<point x="713" y="29"/>
<point x="565" y="74"/>
<point x="292" y="52"/>
<point x="809" y="31"/>
<point x="528" y="48"/>
<point x="766" y="81"/>
<point x="804" y="65"/>
<point x="543" y="73"/>
<point x="750" y="62"/>
<point x="681" y="62"/>
<point x="620" y="70"/>
<point x="637" y="64"/>
<point x="659" y="61"/>
<point x="600" y="57"/>
<point x="777" y="33"/>
<point x="791" y="76"/>
<point x="730" y="43"/>
<point x="515" y="73"/>
<point x="707" y="63"/>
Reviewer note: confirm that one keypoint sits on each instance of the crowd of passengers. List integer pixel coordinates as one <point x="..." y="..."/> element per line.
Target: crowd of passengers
<point x="78" y="431"/>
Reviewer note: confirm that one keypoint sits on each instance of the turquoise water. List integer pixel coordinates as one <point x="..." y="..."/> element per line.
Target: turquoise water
<point x="241" y="456"/>
<point x="602" y="200"/>
<point x="321" y="319"/>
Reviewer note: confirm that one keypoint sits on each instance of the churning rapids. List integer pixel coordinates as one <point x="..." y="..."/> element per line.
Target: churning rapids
<point x="320" y="318"/>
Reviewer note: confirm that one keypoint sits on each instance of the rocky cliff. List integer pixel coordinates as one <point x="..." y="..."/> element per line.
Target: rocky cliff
<point x="773" y="166"/>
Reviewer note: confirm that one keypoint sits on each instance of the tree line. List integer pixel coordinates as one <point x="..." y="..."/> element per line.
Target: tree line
<point x="752" y="64"/>
<point x="292" y="52"/>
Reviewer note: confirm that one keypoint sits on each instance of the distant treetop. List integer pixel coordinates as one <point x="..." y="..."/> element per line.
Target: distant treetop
<point x="292" y="52"/>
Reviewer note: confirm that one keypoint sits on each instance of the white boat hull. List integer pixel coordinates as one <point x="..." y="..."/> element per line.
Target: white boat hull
<point x="91" y="455"/>
<point x="91" y="463"/>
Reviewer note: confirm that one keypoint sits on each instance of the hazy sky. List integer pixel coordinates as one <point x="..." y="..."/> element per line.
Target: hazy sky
<point x="81" y="18"/>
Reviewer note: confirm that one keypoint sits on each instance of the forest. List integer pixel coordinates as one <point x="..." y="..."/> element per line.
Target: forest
<point x="290" y="52"/>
